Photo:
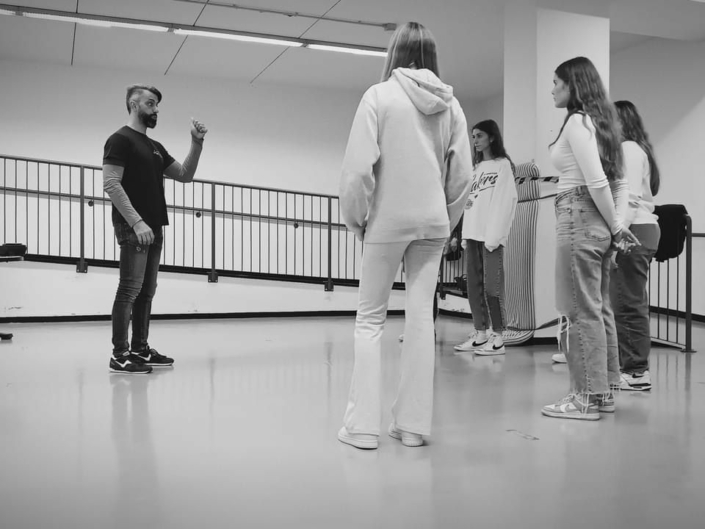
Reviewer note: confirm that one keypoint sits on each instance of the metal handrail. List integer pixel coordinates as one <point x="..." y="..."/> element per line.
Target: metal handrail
<point x="291" y="233"/>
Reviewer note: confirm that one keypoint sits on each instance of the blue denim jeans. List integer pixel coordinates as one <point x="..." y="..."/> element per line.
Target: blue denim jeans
<point x="485" y="286"/>
<point x="139" y="265"/>
<point x="583" y="265"/>
<point x="631" y="301"/>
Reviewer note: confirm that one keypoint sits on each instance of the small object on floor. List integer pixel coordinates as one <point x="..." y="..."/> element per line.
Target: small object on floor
<point x="559" y="358"/>
<point x="407" y="438"/>
<point x="401" y="337"/>
<point x="571" y="407"/>
<point x="493" y="346"/>
<point x="5" y="336"/>
<point x="358" y="440"/>
<point x="633" y="382"/>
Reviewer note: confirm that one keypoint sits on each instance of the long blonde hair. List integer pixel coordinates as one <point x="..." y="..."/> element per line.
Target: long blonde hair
<point x="411" y="43"/>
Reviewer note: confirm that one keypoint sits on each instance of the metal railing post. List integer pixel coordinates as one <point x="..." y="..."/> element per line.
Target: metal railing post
<point x="688" y="286"/>
<point x="329" y="281"/>
<point x="212" y="275"/>
<point x="82" y="267"/>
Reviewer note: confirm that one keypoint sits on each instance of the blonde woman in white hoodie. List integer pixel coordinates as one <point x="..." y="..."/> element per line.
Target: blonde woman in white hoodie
<point x="489" y="213"/>
<point x="405" y="180"/>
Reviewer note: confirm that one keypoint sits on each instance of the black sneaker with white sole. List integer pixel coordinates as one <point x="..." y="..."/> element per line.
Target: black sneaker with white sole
<point x="129" y="363"/>
<point x="151" y="357"/>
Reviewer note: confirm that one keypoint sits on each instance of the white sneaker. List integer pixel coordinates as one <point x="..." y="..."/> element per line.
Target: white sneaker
<point x="632" y="382"/>
<point x="407" y="438"/>
<point x="494" y="346"/>
<point x="559" y="358"/>
<point x="475" y="342"/>
<point x="358" y="440"/>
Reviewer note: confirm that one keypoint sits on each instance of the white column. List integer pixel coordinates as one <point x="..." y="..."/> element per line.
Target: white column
<point x="536" y="41"/>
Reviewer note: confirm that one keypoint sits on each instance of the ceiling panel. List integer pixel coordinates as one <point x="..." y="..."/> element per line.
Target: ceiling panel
<point x="59" y="5"/>
<point x="621" y="41"/>
<point x="349" y="34"/>
<point x="26" y="39"/>
<point x="683" y="20"/>
<point x="324" y="69"/>
<point x="227" y="18"/>
<point x="205" y="57"/>
<point x="469" y="35"/>
<point x="157" y="10"/>
<point x="125" y="48"/>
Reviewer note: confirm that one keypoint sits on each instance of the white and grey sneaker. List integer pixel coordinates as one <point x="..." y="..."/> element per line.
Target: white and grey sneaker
<point x="475" y="342"/>
<point x="632" y="382"/>
<point x="494" y="346"/>
<point x="559" y="358"/>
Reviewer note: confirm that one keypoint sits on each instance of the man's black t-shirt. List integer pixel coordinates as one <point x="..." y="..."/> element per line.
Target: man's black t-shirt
<point x="144" y="162"/>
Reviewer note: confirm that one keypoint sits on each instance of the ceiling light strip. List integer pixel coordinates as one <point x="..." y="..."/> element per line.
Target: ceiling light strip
<point x="235" y="36"/>
<point x="259" y="38"/>
<point x="345" y="49"/>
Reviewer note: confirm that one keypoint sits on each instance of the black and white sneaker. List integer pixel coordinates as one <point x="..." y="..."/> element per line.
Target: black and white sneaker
<point x="493" y="346"/>
<point x="129" y="363"/>
<point x="151" y="357"/>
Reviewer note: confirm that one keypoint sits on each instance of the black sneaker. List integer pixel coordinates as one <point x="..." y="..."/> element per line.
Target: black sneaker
<point x="151" y="357"/>
<point x="129" y="363"/>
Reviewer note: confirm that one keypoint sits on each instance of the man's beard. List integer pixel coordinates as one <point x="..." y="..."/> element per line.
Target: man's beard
<point x="148" y="120"/>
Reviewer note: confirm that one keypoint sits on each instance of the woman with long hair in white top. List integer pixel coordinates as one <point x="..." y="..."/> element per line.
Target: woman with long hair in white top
<point x="629" y="277"/>
<point x="588" y="156"/>
<point x="405" y="179"/>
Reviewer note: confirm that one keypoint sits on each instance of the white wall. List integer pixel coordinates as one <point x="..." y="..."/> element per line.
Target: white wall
<point x="288" y="138"/>
<point x="42" y="289"/>
<point x="665" y="79"/>
<point x="492" y="108"/>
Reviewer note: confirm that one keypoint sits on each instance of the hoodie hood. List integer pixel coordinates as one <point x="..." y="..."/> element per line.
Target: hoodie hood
<point x="428" y="93"/>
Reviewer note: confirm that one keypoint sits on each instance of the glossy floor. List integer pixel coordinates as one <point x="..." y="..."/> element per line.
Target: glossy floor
<point x="242" y="433"/>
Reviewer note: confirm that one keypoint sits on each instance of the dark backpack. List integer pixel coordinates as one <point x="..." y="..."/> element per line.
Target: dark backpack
<point x="672" y="222"/>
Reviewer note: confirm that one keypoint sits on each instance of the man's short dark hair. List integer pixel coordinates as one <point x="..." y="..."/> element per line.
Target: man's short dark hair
<point x="137" y="89"/>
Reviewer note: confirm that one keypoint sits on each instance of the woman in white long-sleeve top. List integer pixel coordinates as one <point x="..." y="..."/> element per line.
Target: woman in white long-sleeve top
<point x="591" y="196"/>
<point x="629" y="277"/>
<point x="405" y="179"/>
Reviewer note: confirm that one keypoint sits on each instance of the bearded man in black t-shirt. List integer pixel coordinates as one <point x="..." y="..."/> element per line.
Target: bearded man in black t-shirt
<point x="134" y="167"/>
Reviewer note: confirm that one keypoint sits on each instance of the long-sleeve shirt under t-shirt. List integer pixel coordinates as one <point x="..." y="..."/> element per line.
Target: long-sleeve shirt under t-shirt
<point x="407" y="166"/>
<point x="637" y="171"/>
<point x="490" y="208"/>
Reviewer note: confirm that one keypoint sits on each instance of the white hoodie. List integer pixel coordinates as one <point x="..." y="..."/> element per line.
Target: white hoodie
<point x="407" y="167"/>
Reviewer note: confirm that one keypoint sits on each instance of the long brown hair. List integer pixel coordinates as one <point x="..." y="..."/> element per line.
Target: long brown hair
<point x="633" y="130"/>
<point x="589" y="97"/>
<point x="411" y="43"/>
<point x="497" y="149"/>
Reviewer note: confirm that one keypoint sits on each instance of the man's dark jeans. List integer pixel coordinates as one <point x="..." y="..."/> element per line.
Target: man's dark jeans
<point x="139" y="265"/>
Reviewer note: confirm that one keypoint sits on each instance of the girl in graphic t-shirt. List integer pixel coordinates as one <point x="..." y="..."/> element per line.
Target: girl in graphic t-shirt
<point x="488" y="217"/>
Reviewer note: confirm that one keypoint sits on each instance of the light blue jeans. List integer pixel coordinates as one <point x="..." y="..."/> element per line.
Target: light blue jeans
<point x="588" y="334"/>
<point x="412" y="410"/>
